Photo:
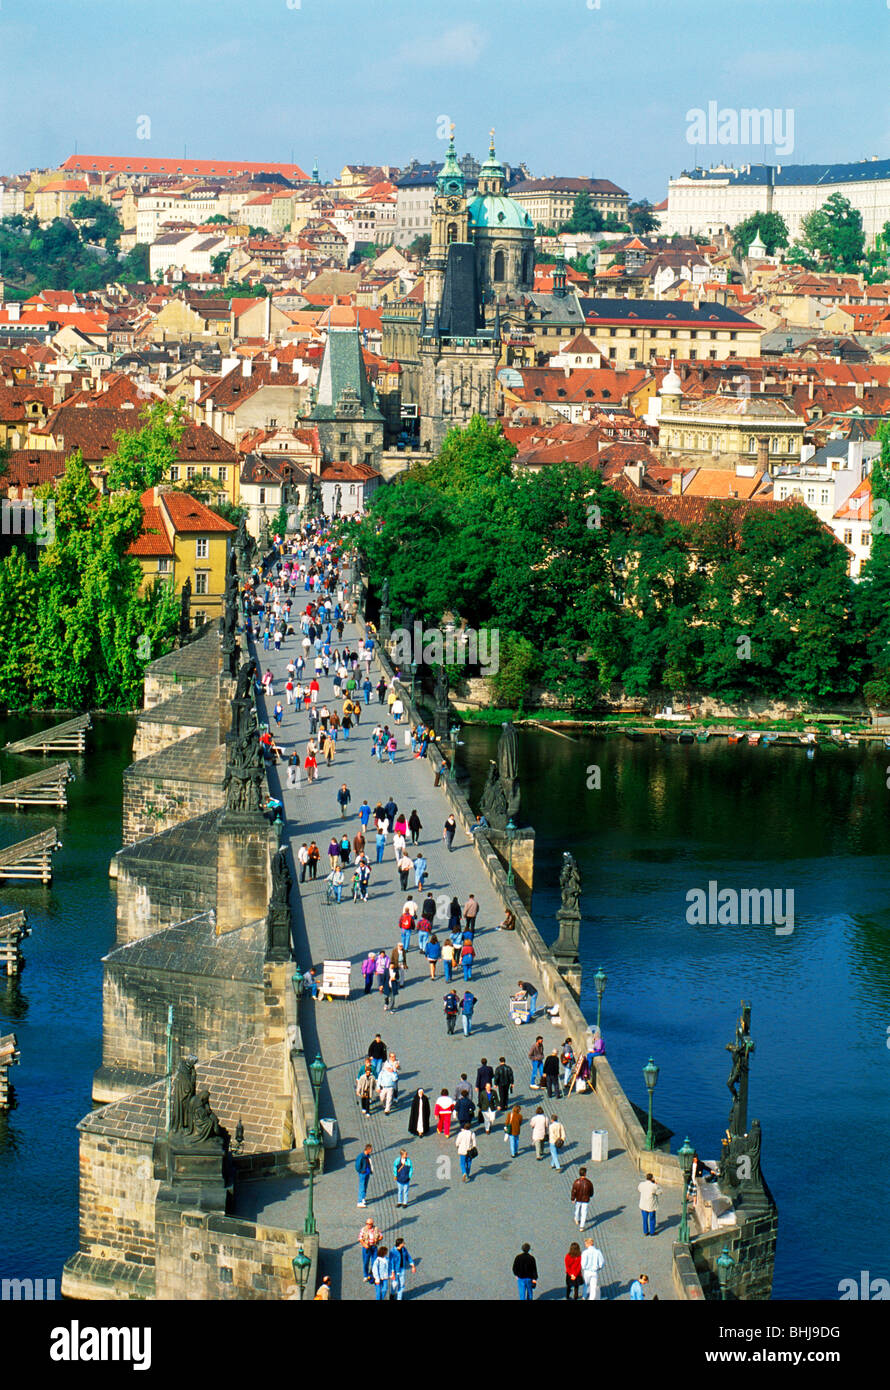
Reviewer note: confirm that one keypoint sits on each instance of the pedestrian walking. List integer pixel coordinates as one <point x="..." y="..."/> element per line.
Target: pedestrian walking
<point x="294" y="771"/>
<point x="539" y="1127"/>
<point x="380" y="1275"/>
<point x="387" y="1081"/>
<point x="484" y="1077"/>
<point x="433" y="954"/>
<point x="467" y="1005"/>
<point x="400" y="1262"/>
<point x="369" y="965"/>
<point x="391" y="986"/>
<point x="420" y="872"/>
<point x="551" y="1075"/>
<point x="404" y="866"/>
<point x="448" y="960"/>
<point x="512" y="1126"/>
<point x="464" y="1109"/>
<point x="592" y="1261"/>
<point x="368" y="1239"/>
<point x="443" y="1110"/>
<point x="377" y="1052"/>
<point x="638" y="1288"/>
<point x="574" y="1277"/>
<point x="364" y="814"/>
<point x="567" y="1062"/>
<point x="278" y="713"/>
<point x="451" y="1004"/>
<point x="471" y="912"/>
<point x="467" y="956"/>
<point x="649" y="1194"/>
<point x="556" y="1138"/>
<point x="406" y="927"/>
<point x="465" y="1143"/>
<point x="504" y="1080"/>
<point x="303" y="861"/>
<point x="381" y="969"/>
<point x="525" y="1271"/>
<point x="449" y="831"/>
<point x="419" y="1114"/>
<point x="313" y="855"/>
<point x="343" y="798"/>
<point x="364" y="1090"/>
<point x="415" y="827"/>
<point x="424" y="931"/>
<point x="488" y="1107"/>
<point x="580" y="1196"/>
<point x="403" y="1172"/>
<point x="536" y="1057"/>
<point x="364" y="1168"/>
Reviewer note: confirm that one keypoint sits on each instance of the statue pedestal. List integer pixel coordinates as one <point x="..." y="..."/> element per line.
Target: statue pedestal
<point x="244" y="842"/>
<point x="193" y="1175"/>
<point x="565" y="949"/>
<point x="385" y="626"/>
<point x="523" y="857"/>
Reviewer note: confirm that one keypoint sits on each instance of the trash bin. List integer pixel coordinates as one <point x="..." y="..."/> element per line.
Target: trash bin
<point x="599" y="1145"/>
<point x="329" y="1133"/>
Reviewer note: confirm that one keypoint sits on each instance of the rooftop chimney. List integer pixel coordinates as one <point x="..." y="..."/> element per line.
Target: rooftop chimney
<point x="247" y="368"/>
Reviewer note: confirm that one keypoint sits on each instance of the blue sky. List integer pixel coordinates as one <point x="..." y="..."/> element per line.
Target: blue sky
<point x="571" y="88"/>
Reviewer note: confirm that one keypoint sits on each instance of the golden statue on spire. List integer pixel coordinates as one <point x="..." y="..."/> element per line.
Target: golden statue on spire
<point x="491" y="144"/>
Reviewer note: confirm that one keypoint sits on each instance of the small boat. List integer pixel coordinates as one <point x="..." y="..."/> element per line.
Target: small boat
<point x="770" y="739"/>
<point x="887" y="741"/>
<point x="851" y="740"/>
<point x="807" y="740"/>
<point x="634" y="735"/>
<point x="686" y="736"/>
<point x="703" y="735"/>
<point x="667" y="737"/>
<point x="754" y="739"/>
<point x="733" y="737"/>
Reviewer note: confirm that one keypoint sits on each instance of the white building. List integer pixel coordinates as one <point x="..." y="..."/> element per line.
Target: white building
<point x="827" y="477"/>
<point x="705" y="202"/>
<point x="188" y="251"/>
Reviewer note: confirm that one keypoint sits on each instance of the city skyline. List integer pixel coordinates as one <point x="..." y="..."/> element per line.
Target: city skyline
<point x="570" y="90"/>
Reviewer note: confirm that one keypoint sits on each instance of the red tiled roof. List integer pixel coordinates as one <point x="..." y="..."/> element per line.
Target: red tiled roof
<point x="138" y="164"/>
<point x="152" y="539"/>
<point x="189" y="515"/>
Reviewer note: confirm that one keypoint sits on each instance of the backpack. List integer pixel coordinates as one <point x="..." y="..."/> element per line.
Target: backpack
<point x="451" y="1003"/>
<point x="359" y="1162"/>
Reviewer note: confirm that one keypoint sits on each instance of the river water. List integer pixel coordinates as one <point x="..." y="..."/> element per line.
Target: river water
<point x="668" y="819"/>
<point x="55" y="1005"/>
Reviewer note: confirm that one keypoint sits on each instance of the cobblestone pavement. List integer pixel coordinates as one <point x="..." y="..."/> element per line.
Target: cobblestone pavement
<point x="463" y="1236"/>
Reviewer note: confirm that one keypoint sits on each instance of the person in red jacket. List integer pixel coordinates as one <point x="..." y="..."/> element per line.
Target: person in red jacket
<point x="573" y="1270"/>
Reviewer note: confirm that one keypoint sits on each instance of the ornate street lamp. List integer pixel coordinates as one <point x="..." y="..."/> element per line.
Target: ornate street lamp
<point x="600" y="979"/>
<point x="298" y="983"/>
<point x="685" y="1155"/>
<point x="302" y="1264"/>
<point x="452" y="734"/>
<point x="725" y="1271"/>
<point x="650" y="1076"/>
<point x="511" y="836"/>
<point x="312" y="1149"/>
<point x="317" y="1074"/>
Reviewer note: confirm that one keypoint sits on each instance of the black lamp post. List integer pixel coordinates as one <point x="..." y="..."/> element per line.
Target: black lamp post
<point x="301" y="1263"/>
<point x="317" y="1073"/>
<point x="600" y="979"/>
<point x="685" y="1155"/>
<point x="511" y="835"/>
<point x="311" y="1148"/>
<point x="650" y="1075"/>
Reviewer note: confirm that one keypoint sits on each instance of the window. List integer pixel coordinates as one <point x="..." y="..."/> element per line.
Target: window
<point x="221" y="474"/>
<point x="163" y="566"/>
<point x="752" y="445"/>
<point x="866" y="538"/>
<point x="848" y="538"/>
<point x="632" y="354"/>
<point x="343" y="436"/>
<point x="201" y="577"/>
<point x="205" y="470"/>
<point x="262" y="496"/>
<point x="200" y="618"/>
<point x="811" y="495"/>
<point x="201" y="548"/>
<point x="190" y="472"/>
<point x="174" y="473"/>
<point x="824" y="497"/>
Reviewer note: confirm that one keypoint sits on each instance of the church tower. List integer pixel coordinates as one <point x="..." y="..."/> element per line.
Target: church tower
<point x="450" y="224"/>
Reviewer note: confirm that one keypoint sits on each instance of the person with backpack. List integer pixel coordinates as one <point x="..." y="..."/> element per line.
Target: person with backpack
<point x="452" y="1005"/>
<point x="406" y="927"/>
<point x="403" y="1172"/>
<point x="556" y="1136"/>
<point x="467" y="1005"/>
<point x="504" y="1080"/>
<point x="465" y="1143"/>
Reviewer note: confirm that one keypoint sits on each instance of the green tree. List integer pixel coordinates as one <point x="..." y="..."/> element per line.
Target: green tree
<point x="585" y="217"/>
<point x="104" y="222"/>
<point x="771" y="226"/>
<point x="642" y="217"/>
<point x="832" y="238"/>
<point x="219" y="262"/>
<point x="419" y="248"/>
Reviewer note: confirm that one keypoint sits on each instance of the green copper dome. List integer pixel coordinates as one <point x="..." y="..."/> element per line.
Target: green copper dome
<point x="498" y="210"/>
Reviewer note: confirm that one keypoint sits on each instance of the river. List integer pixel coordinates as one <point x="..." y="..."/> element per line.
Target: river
<point x="55" y="1005"/>
<point x="668" y="819"/>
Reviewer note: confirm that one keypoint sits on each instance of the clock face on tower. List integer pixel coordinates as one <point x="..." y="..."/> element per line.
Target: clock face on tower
<point x="454" y="204"/>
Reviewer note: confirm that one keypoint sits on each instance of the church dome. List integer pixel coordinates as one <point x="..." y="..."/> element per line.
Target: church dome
<point x="671" y="385"/>
<point x="498" y="210"/>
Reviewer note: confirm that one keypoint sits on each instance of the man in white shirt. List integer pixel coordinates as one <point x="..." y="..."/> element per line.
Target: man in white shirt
<point x="411" y="907"/>
<point x="592" y="1262"/>
<point x="649" y="1193"/>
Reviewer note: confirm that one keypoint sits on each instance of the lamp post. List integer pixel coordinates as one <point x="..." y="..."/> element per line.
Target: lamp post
<point x="511" y="835"/>
<point x="725" y="1271"/>
<point x="301" y="1263"/>
<point x="311" y="1148"/>
<point x="317" y="1073"/>
<point x="650" y="1075"/>
<point x="600" y="979"/>
<point x="452" y="734"/>
<point x="685" y="1155"/>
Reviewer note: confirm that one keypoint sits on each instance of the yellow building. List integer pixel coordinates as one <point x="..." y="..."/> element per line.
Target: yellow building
<point x="726" y="429"/>
<point x="181" y="540"/>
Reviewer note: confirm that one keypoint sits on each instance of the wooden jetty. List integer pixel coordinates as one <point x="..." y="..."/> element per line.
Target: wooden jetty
<point x="45" y="788"/>
<point x="70" y="737"/>
<point x="31" y="858"/>
<point x="9" y="1055"/>
<point x="13" y="928"/>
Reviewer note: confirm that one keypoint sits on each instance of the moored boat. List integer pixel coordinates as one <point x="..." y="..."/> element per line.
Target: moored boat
<point x="686" y="736"/>
<point x="770" y="738"/>
<point x="733" y="736"/>
<point x="703" y="735"/>
<point x="754" y="739"/>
